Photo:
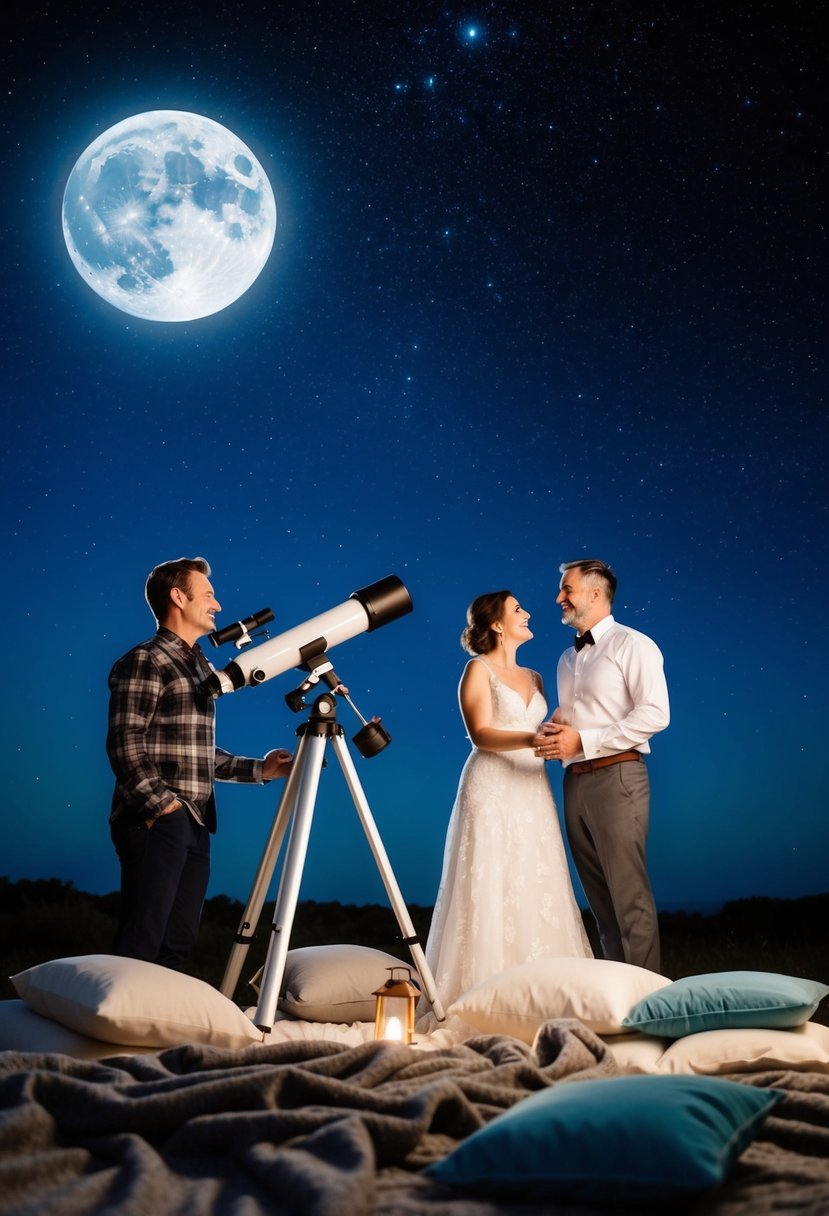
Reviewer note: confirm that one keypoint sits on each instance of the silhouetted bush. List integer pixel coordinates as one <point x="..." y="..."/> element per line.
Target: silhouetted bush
<point x="41" y="919"/>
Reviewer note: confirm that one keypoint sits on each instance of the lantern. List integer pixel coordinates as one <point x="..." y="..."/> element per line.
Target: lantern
<point x="394" y="1015"/>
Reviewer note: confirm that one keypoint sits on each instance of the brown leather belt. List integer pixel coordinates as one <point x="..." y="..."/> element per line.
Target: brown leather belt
<point x="587" y="766"/>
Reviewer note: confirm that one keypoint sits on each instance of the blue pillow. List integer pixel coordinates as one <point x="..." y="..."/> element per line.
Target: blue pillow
<point x="726" y="1000"/>
<point x="628" y="1139"/>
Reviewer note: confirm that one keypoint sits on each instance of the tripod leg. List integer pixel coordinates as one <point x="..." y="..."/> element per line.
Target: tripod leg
<point x="309" y="775"/>
<point x="389" y="881"/>
<point x="259" y="890"/>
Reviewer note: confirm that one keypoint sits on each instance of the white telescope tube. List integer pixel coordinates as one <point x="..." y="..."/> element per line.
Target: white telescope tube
<point x="363" y="611"/>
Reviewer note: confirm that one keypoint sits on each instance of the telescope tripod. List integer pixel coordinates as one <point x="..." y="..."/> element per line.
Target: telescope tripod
<point x="297" y="804"/>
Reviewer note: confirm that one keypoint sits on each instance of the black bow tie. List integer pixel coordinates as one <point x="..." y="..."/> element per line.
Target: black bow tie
<point x="583" y="639"/>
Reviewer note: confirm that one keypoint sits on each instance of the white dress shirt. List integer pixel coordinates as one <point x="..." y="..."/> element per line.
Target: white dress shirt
<point x="614" y="692"/>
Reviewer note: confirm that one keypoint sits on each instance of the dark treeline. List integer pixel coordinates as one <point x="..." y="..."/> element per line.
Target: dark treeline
<point x="42" y="919"/>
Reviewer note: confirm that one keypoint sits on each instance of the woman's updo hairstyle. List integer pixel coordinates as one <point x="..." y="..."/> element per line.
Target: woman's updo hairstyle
<point x="481" y="615"/>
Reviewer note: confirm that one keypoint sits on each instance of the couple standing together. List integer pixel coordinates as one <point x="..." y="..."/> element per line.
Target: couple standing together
<point x="505" y="896"/>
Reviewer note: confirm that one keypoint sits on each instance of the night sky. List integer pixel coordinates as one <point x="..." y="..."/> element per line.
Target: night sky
<point x="547" y="282"/>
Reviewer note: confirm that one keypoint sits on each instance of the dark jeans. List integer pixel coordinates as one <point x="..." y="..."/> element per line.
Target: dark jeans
<point x="164" y="874"/>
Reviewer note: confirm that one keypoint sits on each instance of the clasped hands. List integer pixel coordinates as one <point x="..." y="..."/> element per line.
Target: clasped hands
<point x="556" y="740"/>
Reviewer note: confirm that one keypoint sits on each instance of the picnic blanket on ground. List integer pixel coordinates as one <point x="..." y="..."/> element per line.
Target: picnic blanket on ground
<point x="301" y="1128"/>
<point x="317" y="1129"/>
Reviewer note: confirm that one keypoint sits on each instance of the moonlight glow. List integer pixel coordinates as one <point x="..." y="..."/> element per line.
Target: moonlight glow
<point x="168" y="216"/>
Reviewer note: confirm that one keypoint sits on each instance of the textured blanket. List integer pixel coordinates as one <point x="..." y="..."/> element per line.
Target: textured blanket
<point x="308" y="1128"/>
<point x="786" y="1168"/>
<point x="321" y="1130"/>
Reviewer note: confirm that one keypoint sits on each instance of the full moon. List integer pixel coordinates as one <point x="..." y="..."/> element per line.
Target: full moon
<point x="168" y="216"/>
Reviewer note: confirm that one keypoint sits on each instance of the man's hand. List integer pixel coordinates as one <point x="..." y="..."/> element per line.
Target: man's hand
<point x="555" y="741"/>
<point x="277" y="764"/>
<point x="168" y="810"/>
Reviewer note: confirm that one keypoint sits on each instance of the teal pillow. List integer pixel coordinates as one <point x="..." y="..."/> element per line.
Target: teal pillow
<point x="726" y="1000"/>
<point x="628" y="1139"/>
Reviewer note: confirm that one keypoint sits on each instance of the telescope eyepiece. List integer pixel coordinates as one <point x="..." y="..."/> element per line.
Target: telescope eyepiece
<point x="240" y="629"/>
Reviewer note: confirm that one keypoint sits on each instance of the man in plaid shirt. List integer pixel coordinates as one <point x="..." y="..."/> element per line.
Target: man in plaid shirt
<point x="161" y="745"/>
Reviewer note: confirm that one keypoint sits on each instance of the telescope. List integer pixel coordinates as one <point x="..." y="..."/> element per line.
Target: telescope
<point x="364" y="611"/>
<point x="306" y="646"/>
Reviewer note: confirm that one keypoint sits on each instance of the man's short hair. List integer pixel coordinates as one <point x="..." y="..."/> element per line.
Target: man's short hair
<point x="595" y="571"/>
<point x="168" y="575"/>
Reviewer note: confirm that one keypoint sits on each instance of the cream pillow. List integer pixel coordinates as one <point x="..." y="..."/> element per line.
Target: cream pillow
<point x="598" y="992"/>
<point x="21" y="1029"/>
<point x="805" y="1048"/>
<point x="636" y="1053"/>
<point x="130" y="1002"/>
<point x="334" y="983"/>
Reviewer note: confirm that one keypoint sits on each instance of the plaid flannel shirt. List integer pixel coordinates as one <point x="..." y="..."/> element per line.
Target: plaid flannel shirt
<point x="161" y="741"/>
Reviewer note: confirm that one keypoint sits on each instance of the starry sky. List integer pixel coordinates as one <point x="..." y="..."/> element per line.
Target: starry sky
<point x="547" y="282"/>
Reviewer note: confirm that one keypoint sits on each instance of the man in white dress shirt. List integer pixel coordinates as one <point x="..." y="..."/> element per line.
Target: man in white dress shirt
<point x="612" y="697"/>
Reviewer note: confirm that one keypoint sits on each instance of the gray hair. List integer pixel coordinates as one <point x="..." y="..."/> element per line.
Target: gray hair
<point x="596" y="572"/>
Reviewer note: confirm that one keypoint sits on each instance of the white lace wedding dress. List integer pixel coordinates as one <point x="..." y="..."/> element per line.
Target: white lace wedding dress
<point x="505" y="895"/>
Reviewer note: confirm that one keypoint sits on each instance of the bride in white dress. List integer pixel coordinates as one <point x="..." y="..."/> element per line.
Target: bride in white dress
<point x="505" y="895"/>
